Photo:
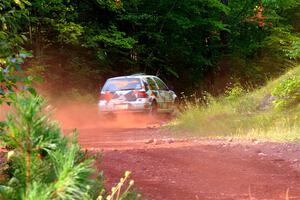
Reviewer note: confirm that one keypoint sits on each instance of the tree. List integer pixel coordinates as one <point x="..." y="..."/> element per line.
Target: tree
<point x="175" y="37"/>
<point x="42" y="163"/>
<point x="13" y="16"/>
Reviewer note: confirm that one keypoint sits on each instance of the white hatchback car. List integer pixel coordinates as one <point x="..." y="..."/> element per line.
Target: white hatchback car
<point x="136" y="93"/>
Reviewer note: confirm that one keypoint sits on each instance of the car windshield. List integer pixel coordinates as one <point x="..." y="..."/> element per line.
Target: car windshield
<point x="122" y="84"/>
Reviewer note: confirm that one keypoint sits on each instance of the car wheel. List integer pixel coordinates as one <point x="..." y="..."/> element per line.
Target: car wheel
<point x="153" y="109"/>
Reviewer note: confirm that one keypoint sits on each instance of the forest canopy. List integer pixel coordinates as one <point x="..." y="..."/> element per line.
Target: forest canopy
<point x="190" y="43"/>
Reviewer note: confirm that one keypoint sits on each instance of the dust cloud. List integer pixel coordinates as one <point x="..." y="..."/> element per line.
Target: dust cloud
<point x="72" y="115"/>
<point x="80" y="115"/>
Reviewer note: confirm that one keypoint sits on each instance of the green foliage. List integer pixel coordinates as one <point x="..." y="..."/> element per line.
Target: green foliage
<point x="69" y="32"/>
<point x="42" y="163"/>
<point x="180" y="37"/>
<point x="11" y="75"/>
<point x="233" y="93"/>
<point x="281" y="4"/>
<point x="248" y="114"/>
<point x="264" y="50"/>
<point x="294" y="49"/>
<point x="186" y="40"/>
<point x="12" y="19"/>
<point x="283" y="43"/>
<point x="112" y="38"/>
<point x="287" y="92"/>
<point x="110" y="5"/>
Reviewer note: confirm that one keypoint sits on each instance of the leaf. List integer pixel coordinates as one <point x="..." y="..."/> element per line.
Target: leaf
<point x="114" y="38"/>
<point x="19" y="3"/>
<point x="2" y="61"/>
<point x="32" y="91"/>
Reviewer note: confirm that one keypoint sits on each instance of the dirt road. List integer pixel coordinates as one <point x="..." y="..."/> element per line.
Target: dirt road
<point x="165" y="168"/>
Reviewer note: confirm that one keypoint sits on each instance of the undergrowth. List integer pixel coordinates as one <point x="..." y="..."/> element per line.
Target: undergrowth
<point x="271" y="112"/>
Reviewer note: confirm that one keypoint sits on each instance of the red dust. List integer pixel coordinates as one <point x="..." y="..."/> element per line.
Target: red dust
<point x="87" y="116"/>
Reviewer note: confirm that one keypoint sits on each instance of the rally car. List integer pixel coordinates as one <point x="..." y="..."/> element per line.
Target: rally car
<point x="136" y="93"/>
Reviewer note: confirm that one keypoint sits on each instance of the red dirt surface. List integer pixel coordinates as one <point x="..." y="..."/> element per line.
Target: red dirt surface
<point x="169" y="168"/>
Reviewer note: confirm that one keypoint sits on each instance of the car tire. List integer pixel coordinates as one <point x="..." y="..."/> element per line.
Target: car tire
<point x="153" y="109"/>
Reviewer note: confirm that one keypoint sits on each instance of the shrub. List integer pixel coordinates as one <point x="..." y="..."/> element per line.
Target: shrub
<point x="287" y="92"/>
<point x="42" y="164"/>
<point x="233" y="93"/>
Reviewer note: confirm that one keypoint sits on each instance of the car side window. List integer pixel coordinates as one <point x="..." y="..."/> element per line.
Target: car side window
<point x="161" y="84"/>
<point x="146" y="85"/>
<point x="152" y="85"/>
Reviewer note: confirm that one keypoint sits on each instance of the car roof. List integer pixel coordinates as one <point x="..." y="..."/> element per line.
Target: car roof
<point x="133" y="76"/>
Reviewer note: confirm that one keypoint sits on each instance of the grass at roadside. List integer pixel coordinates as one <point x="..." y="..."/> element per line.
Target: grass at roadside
<point x="271" y="112"/>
